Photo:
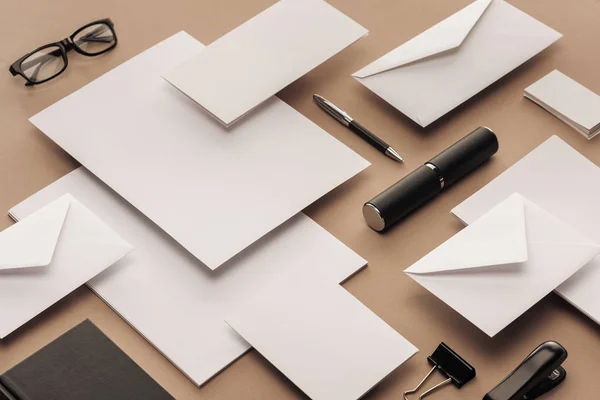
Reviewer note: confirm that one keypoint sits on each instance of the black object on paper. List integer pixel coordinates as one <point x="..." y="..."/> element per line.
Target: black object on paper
<point x="82" y="364"/>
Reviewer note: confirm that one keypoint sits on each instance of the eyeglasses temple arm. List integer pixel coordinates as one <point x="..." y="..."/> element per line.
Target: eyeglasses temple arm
<point x="93" y="36"/>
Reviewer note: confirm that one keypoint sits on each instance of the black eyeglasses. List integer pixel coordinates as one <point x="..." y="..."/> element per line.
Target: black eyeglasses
<point x="49" y="61"/>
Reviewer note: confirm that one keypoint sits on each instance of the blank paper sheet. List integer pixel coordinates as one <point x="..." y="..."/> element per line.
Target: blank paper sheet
<point x="170" y="298"/>
<point x="322" y="338"/>
<point x="215" y="191"/>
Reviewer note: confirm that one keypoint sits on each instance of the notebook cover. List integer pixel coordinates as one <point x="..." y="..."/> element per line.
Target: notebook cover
<point x="81" y="364"/>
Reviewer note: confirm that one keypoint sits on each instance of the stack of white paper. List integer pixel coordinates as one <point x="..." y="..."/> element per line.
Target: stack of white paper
<point x="564" y="183"/>
<point x="503" y="263"/>
<point x="52" y="252"/>
<point x="449" y="63"/>
<point x="322" y="338"/>
<point x="169" y="297"/>
<point x="569" y="101"/>
<point x="216" y="191"/>
<point x="262" y="56"/>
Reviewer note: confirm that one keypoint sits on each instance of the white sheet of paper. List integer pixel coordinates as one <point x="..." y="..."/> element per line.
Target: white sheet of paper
<point x="441" y="68"/>
<point x="493" y="284"/>
<point x="569" y="101"/>
<point x="562" y="181"/>
<point x="322" y="338"/>
<point x="245" y="67"/>
<point x="170" y="298"/>
<point x="215" y="191"/>
<point x="68" y="244"/>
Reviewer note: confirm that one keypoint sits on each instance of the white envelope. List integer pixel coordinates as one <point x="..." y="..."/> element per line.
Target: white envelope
<point x="67" y="243"/>
<point x="500" y="266"/>
<point x="31" y="242"/>
<point x="245" y="67"/>
<point x="214" y="190"/>
<point x="563" y="182"/>
<point x="449" y="63"/>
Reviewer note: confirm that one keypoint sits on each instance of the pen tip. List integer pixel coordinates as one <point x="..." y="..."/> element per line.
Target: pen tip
<point x="393" y="154"/>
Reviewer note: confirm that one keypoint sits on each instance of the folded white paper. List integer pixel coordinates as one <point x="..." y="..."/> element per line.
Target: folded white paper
<point x="562" y="181"/>
<point x="321" y="337"/>
<point x="449" y="63"/>
<point x="67" y="243"/>
<point x="171" y="299"/>
<point x="215" y="191"/>
<point x="569" y="101"/>
<point x="503" y="263"/>
<point x="248" y="65"/>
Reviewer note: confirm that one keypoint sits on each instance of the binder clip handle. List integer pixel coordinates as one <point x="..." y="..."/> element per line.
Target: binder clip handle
<point x="538" y="374"/>
<point x="452" y="367"/>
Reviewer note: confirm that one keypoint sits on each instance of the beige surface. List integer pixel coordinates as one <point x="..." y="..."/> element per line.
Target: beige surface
<point x="29" y="161"/>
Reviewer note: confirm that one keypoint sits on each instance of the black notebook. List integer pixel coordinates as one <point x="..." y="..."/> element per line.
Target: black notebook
<point x="82" y="364"/>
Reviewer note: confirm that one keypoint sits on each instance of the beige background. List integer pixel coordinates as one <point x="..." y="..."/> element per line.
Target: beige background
<point x="29" y="161"/>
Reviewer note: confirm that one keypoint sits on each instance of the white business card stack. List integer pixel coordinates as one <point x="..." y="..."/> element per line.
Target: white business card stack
<point x="569" y="101"/>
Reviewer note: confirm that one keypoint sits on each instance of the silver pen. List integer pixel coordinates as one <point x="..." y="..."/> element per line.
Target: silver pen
<point x="357" y="128"/>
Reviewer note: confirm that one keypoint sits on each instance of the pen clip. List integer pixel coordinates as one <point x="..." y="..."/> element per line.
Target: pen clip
<point x="333" y="110"/>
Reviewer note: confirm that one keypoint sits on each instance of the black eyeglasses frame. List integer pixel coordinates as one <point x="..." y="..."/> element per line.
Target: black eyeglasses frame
<point x="65" y="45"/>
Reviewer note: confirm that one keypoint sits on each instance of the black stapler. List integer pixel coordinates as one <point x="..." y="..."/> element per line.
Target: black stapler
<point x="538" y="374"/>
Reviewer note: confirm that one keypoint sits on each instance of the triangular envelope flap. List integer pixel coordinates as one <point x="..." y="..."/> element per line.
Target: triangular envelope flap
<point x="497" y="238"/>
<point x="446" y="35"/>
<point x="543" y="227"/>
<point x="93" y="234"/>
<point x="32" y="241"/>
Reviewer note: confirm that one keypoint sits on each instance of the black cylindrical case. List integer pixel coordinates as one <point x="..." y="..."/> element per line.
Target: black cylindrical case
<point x="428" y="180"/>
<point x="465" y="155"/>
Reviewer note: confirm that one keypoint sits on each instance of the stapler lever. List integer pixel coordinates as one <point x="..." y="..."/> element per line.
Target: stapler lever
<point x="538" y="374"/>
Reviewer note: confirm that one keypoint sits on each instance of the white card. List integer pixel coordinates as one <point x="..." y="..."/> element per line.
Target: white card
<point x="215" y="191"/>
<point x="171" y="299"/>
<point x="322" y="338"/>
<point x="245" y="67"/>
<point x="498" y="267"/>
<point x="568" y="100"/>
<point x="52" y="252"/>
<point x="563" y="182"/>
<point x="446" y="65"/>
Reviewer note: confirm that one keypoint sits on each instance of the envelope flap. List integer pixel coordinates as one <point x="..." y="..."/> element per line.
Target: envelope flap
<point x="31" y="242"/>
<point x="446" y="35"/>
<point x="497" y="238"/>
